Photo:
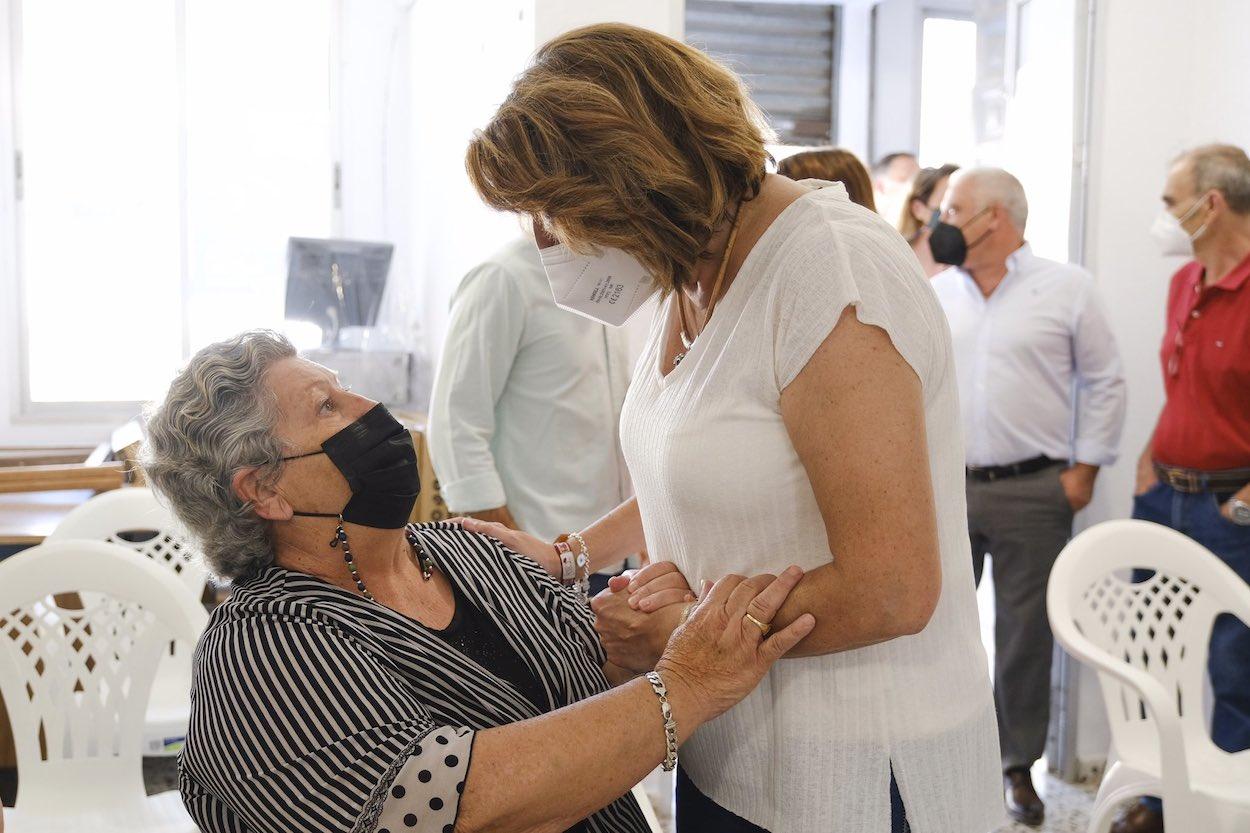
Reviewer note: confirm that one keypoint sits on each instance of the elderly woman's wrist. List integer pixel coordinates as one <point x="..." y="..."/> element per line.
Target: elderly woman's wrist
<point x="689" y="705"/>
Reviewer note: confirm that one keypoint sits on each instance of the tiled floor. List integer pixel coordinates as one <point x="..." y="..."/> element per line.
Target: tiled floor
<point x="1067" y="805"/>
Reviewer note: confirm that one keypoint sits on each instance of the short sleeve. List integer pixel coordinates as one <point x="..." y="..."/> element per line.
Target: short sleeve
<point x="297" y="726"/>
<point x="835" y="259"/>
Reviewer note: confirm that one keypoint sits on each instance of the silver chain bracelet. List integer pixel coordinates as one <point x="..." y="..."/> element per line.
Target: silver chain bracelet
<point x="670" y="725"/>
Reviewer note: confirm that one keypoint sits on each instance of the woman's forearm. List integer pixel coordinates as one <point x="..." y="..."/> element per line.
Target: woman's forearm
<point x="544" y="775"/>
<point x="615" y="536"/>
<point x="854" y="612"/>
<point x="548" y="773"/>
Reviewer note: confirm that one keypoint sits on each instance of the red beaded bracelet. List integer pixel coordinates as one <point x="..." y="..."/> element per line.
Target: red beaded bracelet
<point x="568" y="565"/>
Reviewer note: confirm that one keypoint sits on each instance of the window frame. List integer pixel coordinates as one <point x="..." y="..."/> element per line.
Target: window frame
<point x="73" y="420"/>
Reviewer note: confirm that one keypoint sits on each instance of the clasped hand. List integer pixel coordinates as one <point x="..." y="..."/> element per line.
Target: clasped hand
<point x="635" y="616"/>
<point x="638" y="613"/>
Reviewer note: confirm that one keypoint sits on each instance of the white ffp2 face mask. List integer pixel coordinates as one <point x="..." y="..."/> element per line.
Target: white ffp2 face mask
<point x="608" y="288"/>
<point x="1171" y="235"/>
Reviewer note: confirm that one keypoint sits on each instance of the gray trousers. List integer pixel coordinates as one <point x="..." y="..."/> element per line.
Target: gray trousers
<point x="1022" y="523"/>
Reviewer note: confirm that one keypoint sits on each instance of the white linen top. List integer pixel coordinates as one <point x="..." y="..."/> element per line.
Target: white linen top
<point x="1038" y="368"/>
<point x="721" y="490"/>
<point x="527" y="401"/>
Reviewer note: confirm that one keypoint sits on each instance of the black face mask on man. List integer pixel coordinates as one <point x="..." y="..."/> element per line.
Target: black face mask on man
<point x="948" y="244"/>
<point x="376" y="456"/>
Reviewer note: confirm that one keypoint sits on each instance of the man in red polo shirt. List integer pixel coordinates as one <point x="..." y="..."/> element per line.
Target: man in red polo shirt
<point x="1194" y="475"/>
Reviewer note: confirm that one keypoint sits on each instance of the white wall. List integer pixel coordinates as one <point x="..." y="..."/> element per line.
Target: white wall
<point x="1168" y="76"/>
<point x="463" y="61"/>
<point x="553" y="17"/>
<point x="853" y="79"/>
<point x="896" y="81"/>
<point x="1037" y="140"/>
<point x="463" y="57"/>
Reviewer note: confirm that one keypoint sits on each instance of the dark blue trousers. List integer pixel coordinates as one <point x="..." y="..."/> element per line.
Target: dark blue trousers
<point x="696" y="813"/>
<point x="1198" y="516"/>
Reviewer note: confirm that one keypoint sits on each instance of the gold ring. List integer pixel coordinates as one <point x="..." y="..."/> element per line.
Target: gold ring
<point x="763" y="626"/>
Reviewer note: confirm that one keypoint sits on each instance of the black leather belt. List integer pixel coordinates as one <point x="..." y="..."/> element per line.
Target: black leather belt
<point x="988" y="474"/>
<point x="1193" y="481"/>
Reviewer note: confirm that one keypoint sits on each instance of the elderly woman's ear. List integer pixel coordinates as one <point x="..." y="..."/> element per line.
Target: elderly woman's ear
<point x="265" y="499"/>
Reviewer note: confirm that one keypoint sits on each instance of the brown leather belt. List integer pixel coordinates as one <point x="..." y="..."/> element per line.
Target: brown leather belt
<point x="1193" y="481"/>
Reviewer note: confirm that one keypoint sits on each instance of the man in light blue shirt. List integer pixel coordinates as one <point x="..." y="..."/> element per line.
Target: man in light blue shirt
<point x="526" y="404"/>
<point x="1043" y="400"/>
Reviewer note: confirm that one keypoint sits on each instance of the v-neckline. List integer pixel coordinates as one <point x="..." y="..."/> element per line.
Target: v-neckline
<point x="432" y="638"/>
<point x="667" y="312"/>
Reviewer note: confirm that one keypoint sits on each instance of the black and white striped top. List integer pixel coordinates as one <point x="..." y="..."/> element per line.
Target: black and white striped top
<point x="313" y="708"/>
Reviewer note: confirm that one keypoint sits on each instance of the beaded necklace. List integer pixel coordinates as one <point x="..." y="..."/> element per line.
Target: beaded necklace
<point x="423" y="558"/>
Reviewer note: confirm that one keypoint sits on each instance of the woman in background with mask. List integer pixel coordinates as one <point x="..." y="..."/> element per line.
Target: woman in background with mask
<point x="921" y="212"/>
<point x="370" y="676"/>
<point x="795" y="401"/>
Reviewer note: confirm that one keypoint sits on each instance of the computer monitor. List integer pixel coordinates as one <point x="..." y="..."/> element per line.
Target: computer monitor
<point x="335" y="283"/>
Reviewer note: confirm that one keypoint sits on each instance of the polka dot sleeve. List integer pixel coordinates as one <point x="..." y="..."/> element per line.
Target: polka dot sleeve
<point x="425" y="795"/>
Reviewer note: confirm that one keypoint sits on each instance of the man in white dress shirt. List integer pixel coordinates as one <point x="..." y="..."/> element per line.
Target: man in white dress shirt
<point x="1042" y="396"/>
<point x="526" y="404"/>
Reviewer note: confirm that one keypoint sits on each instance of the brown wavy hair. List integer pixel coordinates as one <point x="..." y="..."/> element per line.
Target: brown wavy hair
<point x="922" y="188"/>
<point x="834" y="165"/>
<point x="620" y="137"/>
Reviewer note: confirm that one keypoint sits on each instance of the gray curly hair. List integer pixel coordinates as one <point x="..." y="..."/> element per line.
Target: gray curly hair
<point x="217" y="418"/>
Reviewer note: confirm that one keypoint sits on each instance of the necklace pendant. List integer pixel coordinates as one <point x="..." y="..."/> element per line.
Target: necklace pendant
<point x="677" y="359"/>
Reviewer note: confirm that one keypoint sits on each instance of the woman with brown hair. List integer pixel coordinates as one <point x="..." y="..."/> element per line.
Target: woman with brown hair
<point x="795" y="401"/>
<point x="832" y="165"/>
<point x="921" y="211"/>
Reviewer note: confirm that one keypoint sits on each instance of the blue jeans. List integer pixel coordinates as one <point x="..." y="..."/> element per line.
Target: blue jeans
<point x="1198" y="516"/>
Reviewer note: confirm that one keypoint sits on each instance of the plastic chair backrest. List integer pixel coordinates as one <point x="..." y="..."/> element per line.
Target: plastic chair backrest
<point x="133" y="518"/>
<point x="1158" y="626"/>
<point x="76" y="681"/>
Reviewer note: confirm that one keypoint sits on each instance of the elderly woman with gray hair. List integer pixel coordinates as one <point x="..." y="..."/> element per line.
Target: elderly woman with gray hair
<point x="370" y="675"/>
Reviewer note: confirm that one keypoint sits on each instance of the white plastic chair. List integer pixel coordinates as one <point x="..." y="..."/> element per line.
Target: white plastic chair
<point x="107" y="516"/>
<point x="115" y="517"/>
<point x="76" y="684"/>
<point x="1148" y="642"/>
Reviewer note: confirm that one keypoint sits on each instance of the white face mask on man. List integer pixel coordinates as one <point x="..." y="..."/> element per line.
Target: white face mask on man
<point x="609" y="287"/>
<point x="1171" y="235"/>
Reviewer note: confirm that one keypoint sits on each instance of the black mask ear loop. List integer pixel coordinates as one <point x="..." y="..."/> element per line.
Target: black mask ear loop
<point x="987" y="233"/>
<point x="340" y="535"/>
<point x="315" y="514"/>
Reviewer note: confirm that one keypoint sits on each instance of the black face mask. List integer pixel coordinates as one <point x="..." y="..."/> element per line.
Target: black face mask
<point x="948" y="244"/>
<point x="376" y="456"/>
